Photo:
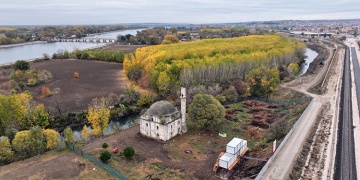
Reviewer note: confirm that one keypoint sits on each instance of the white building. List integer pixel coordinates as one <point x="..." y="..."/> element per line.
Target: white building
<point x="163" y="121"/>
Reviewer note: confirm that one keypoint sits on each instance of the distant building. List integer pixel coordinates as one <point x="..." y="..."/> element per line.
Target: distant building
<point x="194" y="36"/>
<point x="163" y="121"/>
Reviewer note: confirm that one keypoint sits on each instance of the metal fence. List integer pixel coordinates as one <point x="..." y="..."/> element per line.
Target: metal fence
<point x="263" y="170"/>
<point x="97" y="162"/>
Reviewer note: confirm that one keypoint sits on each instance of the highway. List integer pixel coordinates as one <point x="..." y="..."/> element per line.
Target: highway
<point x="345" y="167"/>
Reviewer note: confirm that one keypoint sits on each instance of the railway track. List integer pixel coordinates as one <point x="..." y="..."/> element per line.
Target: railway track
<point x="345" y="167"/>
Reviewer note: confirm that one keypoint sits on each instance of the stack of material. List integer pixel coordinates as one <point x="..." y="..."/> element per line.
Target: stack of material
<point x="233" y="149"/>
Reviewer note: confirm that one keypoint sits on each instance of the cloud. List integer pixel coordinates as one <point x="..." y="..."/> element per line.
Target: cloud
<point x="17" y="12"/>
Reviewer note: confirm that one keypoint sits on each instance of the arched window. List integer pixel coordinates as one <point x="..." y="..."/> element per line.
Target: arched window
<point x="157" y="127"/>
<point x="147" y="125"/>
<point x="157" y="134"/>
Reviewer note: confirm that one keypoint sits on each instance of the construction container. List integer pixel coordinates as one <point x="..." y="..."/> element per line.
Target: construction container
<point x="226" y="160"/>
<point x="234" y="146"/>
<point x="243" y="146"/>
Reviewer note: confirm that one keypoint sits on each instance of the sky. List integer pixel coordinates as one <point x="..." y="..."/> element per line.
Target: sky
<point x="78" y="12"/>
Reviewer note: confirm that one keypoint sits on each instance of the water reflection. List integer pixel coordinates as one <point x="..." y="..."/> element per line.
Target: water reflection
<point x="311" y="55"/>
<point x="115" y="125"/>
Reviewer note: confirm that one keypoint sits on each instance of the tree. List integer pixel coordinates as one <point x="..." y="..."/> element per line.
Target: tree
<point x="206" y="111"/>
<point x="105" y="145"/>
<point x="40" y="116"/>
<point x="262" y="81"/>
<point x="85" y="132"/>
<point x="240" y="87"/>
<point x="129" y="152"/>
<point x="21" y="65"/>
<point x="130" y="97"/>
<point x="163" y="82"/>
<point x="170" y="39"/>
<point x="51" y="137"/>
<point x="98" y="115"/>
<point x="69" y="135"/>
<point x="37" y="140"/>
<point x="5" y="113"/>
<point x="105" y="156"/>
<point x="21" y="142"/>
<point x="6" y="153"/>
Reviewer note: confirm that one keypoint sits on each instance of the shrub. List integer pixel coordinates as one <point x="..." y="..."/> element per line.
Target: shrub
<point x="105" y="156"/>
<point x="105" y="145"/>
<point x="21" y="65"/>
<point x="45" y="91"/>
<point x="32" y="82"/>
<point x="129" y="152"/>
<point x="76" y="75"/>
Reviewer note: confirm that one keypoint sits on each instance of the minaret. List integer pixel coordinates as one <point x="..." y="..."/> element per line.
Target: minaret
<point x="183" y="110"/>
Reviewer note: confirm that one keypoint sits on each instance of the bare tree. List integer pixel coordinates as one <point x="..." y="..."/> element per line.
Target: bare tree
<point x="79" y="100"/>
<point x="57" y="101"/>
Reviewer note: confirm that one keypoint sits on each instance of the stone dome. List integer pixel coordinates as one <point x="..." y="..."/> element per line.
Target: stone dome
<point x="161" y="108"/>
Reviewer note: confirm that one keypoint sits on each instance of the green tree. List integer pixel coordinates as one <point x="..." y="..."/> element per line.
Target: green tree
<point x="98" y="115"/>
<point x="206" y="111"/>
<point x="105" y="156"/>
<point x="21" y="65"/>
<point x="37" y="140"/>
<point x="262" y="81"/>
<point x="105" y="145"/>
<point x="6" y="152"/>
<point x="5" y="114"/>
<point x="69" y="135"/>
<point x="129" y="152"/>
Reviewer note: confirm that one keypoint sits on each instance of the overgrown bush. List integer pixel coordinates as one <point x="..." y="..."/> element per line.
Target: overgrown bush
<point x="45" y="91"/>
<point x="105" y="156"/>
<point x="129" y="152"/>
<point x="21" y="65"/>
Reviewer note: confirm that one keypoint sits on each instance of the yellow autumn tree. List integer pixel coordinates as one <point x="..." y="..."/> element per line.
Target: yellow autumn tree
<point x="85" y="133"/>
<point x="163" y="82"/>
<point x="98" y="115"/>
<point x="51" y="137"/>
<point x="169" y="39"/>
<point x="5" y="149"/>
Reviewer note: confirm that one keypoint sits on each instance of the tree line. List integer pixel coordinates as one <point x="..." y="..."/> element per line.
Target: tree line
<point x="14" y="35"/>
<point x="213" y="61"/>
<point x="92" y="54"/>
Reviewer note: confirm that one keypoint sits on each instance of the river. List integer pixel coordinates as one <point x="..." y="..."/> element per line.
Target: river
<point x="114" y="125"/>
<point x="311" y="55"/>
<point x="33" y="51"/>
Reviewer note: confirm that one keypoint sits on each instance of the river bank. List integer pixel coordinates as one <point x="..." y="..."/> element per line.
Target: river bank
<point x="22" y="44"/>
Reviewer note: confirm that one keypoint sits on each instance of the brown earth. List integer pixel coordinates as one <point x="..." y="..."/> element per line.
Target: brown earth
<point x="96" y="79"/>
<point x="53" y="165"/>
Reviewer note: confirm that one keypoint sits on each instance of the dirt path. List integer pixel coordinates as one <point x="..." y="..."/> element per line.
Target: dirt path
<point x="283" y="163"/>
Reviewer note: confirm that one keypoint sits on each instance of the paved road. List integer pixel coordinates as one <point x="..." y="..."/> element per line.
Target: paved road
<point x="357" y="73"/>
<point x="282" y="164"/>
<point x="345" y="153"/>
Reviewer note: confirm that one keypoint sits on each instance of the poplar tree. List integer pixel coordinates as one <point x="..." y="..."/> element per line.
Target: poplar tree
<point x="98" y="115"/>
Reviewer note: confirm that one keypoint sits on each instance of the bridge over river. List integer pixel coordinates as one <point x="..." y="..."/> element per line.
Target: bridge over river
<point x="88" y="40"/>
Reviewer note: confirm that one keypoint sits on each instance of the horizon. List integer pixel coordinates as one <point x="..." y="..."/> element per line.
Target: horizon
<point x="81" y="12"/>
<point x="169" y="23"/>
